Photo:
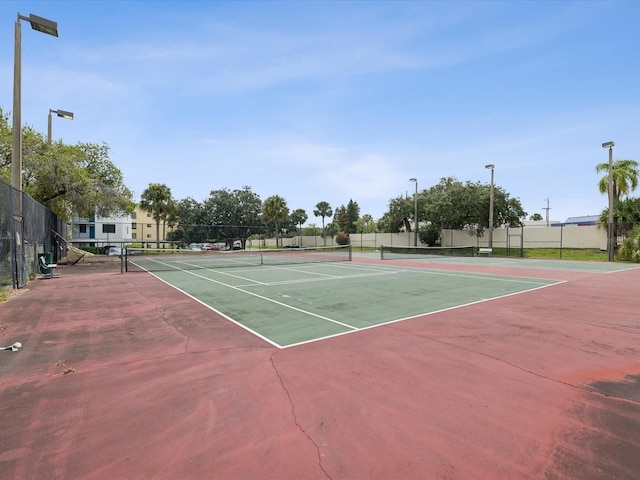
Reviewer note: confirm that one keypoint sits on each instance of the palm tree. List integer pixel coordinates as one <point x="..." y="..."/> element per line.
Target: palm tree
<point x="275" y="208"/>
<point x="157" y="200"/>
<point x="298" y="217"/>
<point x="323" y="209"/>
<point x="625" y="177"/>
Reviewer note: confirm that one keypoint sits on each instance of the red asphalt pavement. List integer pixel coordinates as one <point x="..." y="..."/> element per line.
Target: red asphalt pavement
<point x="122" y="377"/>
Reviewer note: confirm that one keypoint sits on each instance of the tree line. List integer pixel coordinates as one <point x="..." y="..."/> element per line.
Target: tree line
<point x="232" y="216"/>
<point x="237" y="215"/>
<point x="81" y="180"/>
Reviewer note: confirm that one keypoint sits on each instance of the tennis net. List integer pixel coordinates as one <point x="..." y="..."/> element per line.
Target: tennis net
<point x="153" y="259"/>
<point x="388" y="252"/>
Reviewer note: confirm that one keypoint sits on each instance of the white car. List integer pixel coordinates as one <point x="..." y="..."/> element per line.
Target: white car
<point x="116" y="251"/>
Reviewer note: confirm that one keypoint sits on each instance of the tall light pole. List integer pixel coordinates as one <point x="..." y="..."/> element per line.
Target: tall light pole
<point x="415" y="213"/>
<point x="50" y="28"/>
<point x="61" y="114"/>
<point x="610" y="242"/>
<point x="491" y="166"/>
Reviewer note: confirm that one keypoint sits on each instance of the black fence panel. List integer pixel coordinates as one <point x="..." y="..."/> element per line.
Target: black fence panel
<point x="26" y="231"/>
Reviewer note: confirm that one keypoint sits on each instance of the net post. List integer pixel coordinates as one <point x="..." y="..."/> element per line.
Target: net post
<point x="350" y="257"/>
<point x="381" y="252"/>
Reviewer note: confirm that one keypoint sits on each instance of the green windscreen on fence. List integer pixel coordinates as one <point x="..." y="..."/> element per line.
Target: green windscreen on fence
<point x="388" y="252"/>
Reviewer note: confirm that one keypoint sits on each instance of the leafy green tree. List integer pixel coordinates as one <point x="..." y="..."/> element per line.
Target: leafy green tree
<point x="5" y="146"/>
<point x="157" y="200"/>
<point x="429" y="235"/>
<point x="401" y="213"/>
<point x="625" y="177"/>
<point x="630" y="248"/>
<point x="456" y="205"/>
<point x="353" y="214"/>
<point x="625" y="180"/>
<point x="346" y="217"/>
<point x="69" y="180"/>
<point x="233" y="214"/>
<point x="332" y="228"/>
<point x="311" y="230"/>
<point x="188" y="222"/>
<point x="323" y="209"/>
<point x="275" y="209"/>
<point x="536" y="217"/>
<point x="341" y="218"/>
<point x="626" y="215"/>
<point x="366" y="224"/>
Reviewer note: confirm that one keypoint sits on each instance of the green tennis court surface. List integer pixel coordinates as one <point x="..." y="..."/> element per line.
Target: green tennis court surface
<point x="291" y="304"/>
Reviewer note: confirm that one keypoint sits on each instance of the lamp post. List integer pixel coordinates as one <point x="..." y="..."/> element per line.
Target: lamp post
<point x="415" y="213"/>
<point x="491" y="167"/>
<point x="61" y="114"/>
<point x="610" y="146"/>
<point x="50" y="28"/>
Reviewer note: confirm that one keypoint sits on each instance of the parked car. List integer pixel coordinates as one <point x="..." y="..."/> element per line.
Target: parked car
<point x="116" y="251"/>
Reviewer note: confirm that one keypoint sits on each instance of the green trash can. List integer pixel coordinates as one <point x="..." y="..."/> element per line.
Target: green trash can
<point x="47" y="259"/>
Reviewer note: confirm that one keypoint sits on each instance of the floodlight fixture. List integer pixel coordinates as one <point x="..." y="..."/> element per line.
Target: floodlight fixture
<point x="61" y="114"/>
<point x="608" y="144"/>
<point x="41" y="24"/>
<point x="490" y="166"/>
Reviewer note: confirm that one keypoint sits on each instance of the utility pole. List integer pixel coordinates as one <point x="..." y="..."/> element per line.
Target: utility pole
<point x="547" y="209"/>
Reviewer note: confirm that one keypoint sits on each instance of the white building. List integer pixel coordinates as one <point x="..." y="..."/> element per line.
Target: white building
<point x="101" y="231"/>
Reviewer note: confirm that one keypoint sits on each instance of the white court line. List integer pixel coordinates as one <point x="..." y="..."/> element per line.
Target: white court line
<point x="217" y="270"/>
<point x="332" y="265"/>
<point x="379" y="271"/>
<point x="484" y="276"/>
<point x="322" y="317"/>
<point x="323" y="279"/>
<point x="222" y="314"/>
<point x="398" y="320"/>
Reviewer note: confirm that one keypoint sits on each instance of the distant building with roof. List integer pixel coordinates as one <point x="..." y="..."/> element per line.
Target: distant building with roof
<point x="586" y="220"/>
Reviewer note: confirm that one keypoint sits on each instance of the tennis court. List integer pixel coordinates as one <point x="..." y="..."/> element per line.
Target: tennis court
<point x="424" y="369"/>
<point x="292" y="297"/>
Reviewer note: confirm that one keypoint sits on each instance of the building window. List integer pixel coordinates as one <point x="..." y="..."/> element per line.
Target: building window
<point x="149" y="215"/>
<point x="134" y="215"/>
<point x="148" y="225"/>
<point x="82" y="228"/>
<point x="148" y="235"/>
<point x="108" y="228"/>
<point x="133" y="236"/>
<point x="134" y="226"/>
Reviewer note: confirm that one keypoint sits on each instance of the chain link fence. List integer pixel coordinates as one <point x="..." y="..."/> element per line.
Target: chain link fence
<point x="26" y="231"/>
<point x="513" y="241"/>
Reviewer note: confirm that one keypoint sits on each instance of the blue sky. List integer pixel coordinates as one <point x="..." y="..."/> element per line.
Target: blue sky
<point x="332" y="101"/>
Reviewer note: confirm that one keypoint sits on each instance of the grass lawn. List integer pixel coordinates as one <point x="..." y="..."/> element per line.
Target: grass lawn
<point x="594" y="254"/>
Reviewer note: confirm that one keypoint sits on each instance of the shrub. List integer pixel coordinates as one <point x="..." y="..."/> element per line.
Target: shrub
<point x="630" y="249"/>
<point x="342" y="238"/>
